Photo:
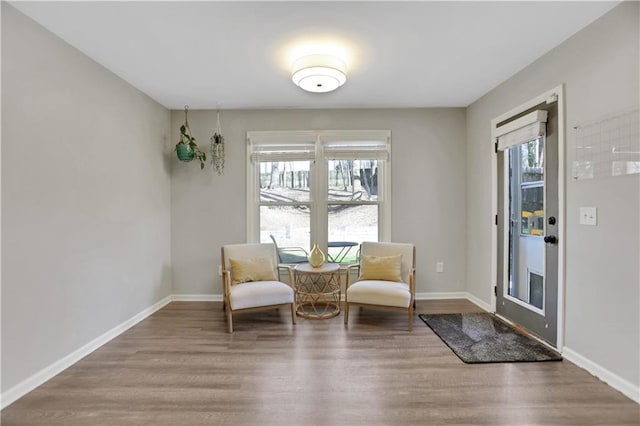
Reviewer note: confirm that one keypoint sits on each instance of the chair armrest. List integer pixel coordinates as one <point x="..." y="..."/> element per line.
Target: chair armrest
<point x="294" y="249"/>
<point x="226" y="282"/>
<point x="292" y="277"/>
<point x="287" y="267"/>
<point x="292" y="255"/>
<point x="412" y="281"/>
<point x="349" y="268"/>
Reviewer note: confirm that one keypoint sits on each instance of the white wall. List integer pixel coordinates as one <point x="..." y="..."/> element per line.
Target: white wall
<point x="91" y="235"/>
<point x="428" y="189"/>
<point x="599" y="67"/>
<point x="85" y="199"/>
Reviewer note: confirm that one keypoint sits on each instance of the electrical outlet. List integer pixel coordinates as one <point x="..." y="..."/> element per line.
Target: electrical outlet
<point x="440" y="267"/>
<point x="588" y="216"/>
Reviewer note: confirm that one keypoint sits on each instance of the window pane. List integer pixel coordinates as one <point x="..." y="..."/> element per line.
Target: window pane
<point x="284" y="181"/>
<point x="349" y="226"/>
<point x="531" y="187"/>
<point x="532" y="160"/>
<point x="289" y="226"/>
<point x="532" y="210"/>
<point x="353" y="180"/>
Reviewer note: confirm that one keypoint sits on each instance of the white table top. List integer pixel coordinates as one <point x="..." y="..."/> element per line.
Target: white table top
<point x="324" y="269"/>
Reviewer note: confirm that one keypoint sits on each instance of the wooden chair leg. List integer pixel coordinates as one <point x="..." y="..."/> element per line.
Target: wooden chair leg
<point x="293" y="313"/>
<point x="346" y="313"/>
<point x="229" y="321"/>
<point x="411" y="317"/>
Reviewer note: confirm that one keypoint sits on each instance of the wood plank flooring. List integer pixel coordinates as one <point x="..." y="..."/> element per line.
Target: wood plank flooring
<point x="180" y="367"/>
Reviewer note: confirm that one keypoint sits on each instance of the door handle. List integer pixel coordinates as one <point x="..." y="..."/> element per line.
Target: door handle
<point x="550" y="239"/>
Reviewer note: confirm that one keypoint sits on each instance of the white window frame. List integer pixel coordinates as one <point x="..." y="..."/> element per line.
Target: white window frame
<point x="257" y="140"/>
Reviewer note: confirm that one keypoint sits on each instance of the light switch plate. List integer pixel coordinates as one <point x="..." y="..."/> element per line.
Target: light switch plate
<point x="588" y="216"/>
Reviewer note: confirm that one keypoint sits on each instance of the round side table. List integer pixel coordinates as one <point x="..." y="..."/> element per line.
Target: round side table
<point x="317" y="290"/>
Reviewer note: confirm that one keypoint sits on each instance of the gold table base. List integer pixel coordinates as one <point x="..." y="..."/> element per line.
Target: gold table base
<point x="317" y="291"/>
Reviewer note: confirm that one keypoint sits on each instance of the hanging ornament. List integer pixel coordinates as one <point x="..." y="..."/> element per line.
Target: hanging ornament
<point x="187" y="147"/>
<point x="217" y="147"/>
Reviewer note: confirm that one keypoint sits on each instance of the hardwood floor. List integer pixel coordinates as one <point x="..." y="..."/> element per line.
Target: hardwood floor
<point x="180" y="367"/>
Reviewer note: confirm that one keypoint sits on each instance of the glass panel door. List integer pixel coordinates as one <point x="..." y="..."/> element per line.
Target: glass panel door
<point x="526" y="231"/>
<point x="528" y="205"/>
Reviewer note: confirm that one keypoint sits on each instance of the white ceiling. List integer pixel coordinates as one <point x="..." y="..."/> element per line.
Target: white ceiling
<point x="236" y="54"/>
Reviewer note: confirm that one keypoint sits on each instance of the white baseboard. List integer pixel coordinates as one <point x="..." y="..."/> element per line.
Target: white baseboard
<point x="419" y="296"/>
<point x="18" y="391"/>
<point x="454" y="295"/>
<point x="627" y="388"/>
<point x="482" y="304"/>
<point x="197" y="298"/>
<point x="630" y="390"/>
<point x="441" y="296"/>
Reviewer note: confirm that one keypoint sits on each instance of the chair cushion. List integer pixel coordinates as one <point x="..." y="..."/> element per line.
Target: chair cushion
<point x="252" y="269"/>
<point x="382" y="268"/>
<point x="375" y="292"/>
<point x="260" y="293"/>
<point x="392" y="249"/>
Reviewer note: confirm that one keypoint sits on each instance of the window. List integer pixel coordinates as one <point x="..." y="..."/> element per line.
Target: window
<point x="527" y="168"/>
<point x="329" y="188"/>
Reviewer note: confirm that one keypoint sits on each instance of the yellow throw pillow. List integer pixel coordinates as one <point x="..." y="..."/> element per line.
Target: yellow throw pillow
<point x="383" y="268"/>
<point x="254" y="269"/>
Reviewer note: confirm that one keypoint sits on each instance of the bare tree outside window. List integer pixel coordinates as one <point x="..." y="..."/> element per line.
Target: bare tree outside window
<point x="303" y="184"/>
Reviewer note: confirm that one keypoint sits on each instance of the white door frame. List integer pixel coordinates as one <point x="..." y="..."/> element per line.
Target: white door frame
<point x="555" y="93"/>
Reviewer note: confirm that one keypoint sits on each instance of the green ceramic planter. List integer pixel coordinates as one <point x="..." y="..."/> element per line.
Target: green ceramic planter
<point x="185" y="152"/>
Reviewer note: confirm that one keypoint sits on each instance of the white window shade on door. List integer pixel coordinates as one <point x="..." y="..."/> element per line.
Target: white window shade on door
<point x="521" y="130"/>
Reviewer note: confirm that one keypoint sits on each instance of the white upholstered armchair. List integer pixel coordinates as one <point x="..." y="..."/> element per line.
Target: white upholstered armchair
<point x="250" y="280"/>
<point x="386" y="279"/>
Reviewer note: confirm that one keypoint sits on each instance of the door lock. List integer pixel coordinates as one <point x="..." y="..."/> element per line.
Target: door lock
<point x="550" y="239"/>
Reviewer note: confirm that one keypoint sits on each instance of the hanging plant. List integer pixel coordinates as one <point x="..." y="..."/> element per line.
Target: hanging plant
<point x="217" y="148"/>
<point x="187" y="148"/>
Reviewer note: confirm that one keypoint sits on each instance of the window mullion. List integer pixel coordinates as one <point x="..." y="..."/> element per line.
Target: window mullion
<point x="269" y="147"/>
<point x="253" y="204"/>
<point x="319" y="199"/>
<point x="384" y="206"/>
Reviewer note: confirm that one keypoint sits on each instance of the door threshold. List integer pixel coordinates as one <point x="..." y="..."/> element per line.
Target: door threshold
<point x="527" y="332"/>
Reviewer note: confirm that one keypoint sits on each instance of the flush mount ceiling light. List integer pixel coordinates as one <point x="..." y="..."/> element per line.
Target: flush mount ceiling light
<point x="319" y="73"/>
